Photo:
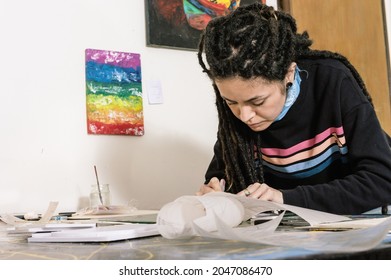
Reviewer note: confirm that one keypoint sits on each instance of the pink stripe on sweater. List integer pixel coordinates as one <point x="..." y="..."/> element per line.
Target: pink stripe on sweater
<point x="314" y="151"/>
<point x="303" y="145"/>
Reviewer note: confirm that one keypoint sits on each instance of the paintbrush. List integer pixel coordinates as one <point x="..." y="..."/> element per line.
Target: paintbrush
<point x="97" y="182"/>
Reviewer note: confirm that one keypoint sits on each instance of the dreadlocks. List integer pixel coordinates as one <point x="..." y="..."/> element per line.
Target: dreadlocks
<point x="253" y="41"/>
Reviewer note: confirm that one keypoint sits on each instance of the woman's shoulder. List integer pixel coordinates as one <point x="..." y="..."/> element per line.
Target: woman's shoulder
<point x="325" y="64"/>
<point x="334" y="77"/>
<point x="325" y="69"/>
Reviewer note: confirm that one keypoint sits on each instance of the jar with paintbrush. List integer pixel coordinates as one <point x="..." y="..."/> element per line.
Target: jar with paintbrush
<point x="100" y="193"/>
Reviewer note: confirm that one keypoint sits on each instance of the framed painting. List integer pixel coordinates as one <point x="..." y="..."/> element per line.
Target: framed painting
<point x="113" y="93"/>
<point x="178" y="23"/>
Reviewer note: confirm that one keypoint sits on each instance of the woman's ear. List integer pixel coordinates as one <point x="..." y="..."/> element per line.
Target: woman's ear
<point x="290" y="76"/>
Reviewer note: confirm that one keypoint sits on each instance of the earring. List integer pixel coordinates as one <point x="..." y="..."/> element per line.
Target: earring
<point x="288" y="85"/>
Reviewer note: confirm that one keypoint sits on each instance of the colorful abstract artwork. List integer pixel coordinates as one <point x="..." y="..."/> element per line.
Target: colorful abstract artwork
<point x="179" y="23"/>
<point x="114" y="93"/>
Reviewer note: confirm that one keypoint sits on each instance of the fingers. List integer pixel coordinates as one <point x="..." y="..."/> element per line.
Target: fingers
<point x="222" y="185"/>
<point x="263" y="192"/>
<point x="199" y="193"/>
<point x="250" y="190"/>
<point x="214" y="185"/>
<point x="204" y="189"/>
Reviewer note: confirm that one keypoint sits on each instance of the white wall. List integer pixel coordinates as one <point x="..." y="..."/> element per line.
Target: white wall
<point x="45" y="151"/>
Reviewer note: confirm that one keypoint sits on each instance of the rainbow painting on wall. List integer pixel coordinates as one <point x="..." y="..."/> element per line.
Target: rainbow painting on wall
<point x="114" y="93"/>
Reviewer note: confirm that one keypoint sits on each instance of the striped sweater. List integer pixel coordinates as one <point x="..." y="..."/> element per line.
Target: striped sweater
<point x="329" y="152"/>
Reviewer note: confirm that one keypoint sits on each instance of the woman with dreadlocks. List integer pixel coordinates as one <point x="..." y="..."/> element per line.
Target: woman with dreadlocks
<point x="296" y="125"/>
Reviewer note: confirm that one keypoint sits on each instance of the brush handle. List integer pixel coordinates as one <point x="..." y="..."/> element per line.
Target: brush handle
<point x="97" y="182"/>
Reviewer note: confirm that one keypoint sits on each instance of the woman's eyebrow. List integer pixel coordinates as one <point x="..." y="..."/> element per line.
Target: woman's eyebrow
<point x="227" y="99"/>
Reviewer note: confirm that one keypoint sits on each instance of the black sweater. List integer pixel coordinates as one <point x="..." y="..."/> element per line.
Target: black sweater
<point x="329" y="152"/>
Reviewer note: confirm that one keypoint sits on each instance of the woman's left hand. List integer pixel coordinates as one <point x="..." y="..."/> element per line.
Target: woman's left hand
<point x="263" y="192"/>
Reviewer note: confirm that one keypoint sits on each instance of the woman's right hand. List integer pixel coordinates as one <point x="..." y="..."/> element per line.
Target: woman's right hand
<point x="214" y="185"/>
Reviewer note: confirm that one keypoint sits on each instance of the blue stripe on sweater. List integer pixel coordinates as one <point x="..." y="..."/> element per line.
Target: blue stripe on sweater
<point x="312" y="166"/>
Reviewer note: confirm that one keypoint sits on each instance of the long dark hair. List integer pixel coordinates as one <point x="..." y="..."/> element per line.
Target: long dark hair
<point x="253" y="41"/>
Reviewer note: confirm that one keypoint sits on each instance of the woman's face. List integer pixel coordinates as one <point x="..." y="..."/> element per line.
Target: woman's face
<point x="256" y="102"/>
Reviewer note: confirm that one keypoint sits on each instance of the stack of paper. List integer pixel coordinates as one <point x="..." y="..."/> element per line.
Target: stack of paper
<point x="49" y="227"/>
<point x="97" y="234"/>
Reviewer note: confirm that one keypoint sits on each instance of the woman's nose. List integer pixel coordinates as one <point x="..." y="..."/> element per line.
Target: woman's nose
<point x="246" y="113"/>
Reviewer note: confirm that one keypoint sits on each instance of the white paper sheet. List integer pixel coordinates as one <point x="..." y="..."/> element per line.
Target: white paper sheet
<point x="363" y="237"/>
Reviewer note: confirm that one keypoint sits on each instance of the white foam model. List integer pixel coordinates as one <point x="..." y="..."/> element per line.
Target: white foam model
<point x="176" y="219"/>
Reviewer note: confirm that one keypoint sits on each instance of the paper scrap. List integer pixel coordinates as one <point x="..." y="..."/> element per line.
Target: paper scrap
<point x="12" y="220"/>
<point x="154" y="91"/>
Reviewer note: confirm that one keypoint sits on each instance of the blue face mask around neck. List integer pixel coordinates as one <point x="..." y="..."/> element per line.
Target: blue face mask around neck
<point x="291" y="95"/>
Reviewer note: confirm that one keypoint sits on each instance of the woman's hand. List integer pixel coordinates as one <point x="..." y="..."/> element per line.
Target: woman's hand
<point x="263" y="192"/>
<point x="214" y="185"/>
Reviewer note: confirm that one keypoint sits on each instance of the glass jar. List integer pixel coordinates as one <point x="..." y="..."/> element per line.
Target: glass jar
<point x="95" y="198"/>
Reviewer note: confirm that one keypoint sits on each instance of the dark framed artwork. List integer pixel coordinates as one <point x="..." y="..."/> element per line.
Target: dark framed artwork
<point x="178" y="24"/>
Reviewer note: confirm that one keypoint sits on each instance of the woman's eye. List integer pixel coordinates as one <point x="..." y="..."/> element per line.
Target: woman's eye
<point x="259" y="103"/>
